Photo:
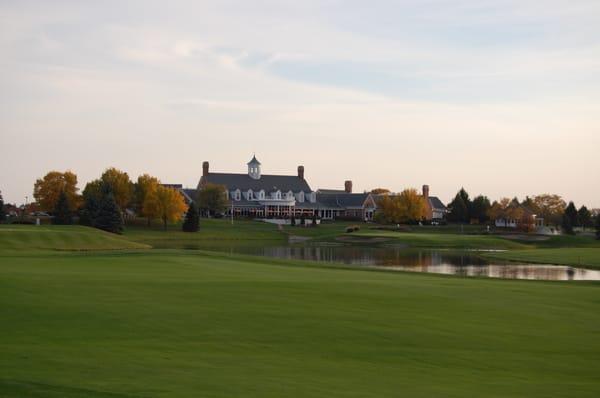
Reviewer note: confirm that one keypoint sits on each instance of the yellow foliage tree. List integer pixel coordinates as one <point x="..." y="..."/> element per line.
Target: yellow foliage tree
<point x="46" y="190"/>
<point x="408" y="206"/>
<point x="146" y="186"/>
<point x="165" y="203"/>
<point x="120" y="184"/>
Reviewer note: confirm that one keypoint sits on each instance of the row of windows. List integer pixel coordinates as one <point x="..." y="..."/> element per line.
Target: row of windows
<point x="277" y="195"/>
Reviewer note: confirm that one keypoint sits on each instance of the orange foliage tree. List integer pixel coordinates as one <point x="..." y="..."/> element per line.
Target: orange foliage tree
<point x="46" y="190"/>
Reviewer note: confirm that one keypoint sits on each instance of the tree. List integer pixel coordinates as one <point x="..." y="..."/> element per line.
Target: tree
<point x="406" y="207"/>
<point x="598" y="226"/>
<point x="108" y="214"/>
<point x="480" y="208"/>
<point x="459" y="210"/>
<point x="293" y="221"/>
<point x="62" y="211"/>
<point x="191" y="222"/>
<point x="92" y="195"/>
<point x="47" y="190"/>
<point x="168" y="204"/>
<point x="569" y="218"/>
<point x="380" y="191"/>
<point x="314" y="219"/>
<point x="302" y="220"/>
<point x="120" y="186"/>
<point x="212" y="198"/>
<point x="585" y="217"/>
<point x="2" y="210"/>
<point x="550" y="207"/>
<point x="146" y="186"/>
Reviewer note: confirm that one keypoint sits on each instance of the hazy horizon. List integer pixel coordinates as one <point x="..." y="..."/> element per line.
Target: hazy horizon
<point x="499" y="97"/>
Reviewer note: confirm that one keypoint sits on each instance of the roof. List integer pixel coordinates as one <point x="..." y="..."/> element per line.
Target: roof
<point x="342" y="199"/>
<point x="328" y="191"/>
<point x="436" y="203"/>
<point x="254" y="160"/>
<point x="266" y="182"/>
<point x="189" y="194"/>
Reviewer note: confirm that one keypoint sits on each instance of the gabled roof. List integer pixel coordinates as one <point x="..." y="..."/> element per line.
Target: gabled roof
<point x="436" y="203"/>
<point x="266" y="182"/>
<point x="189" y="194"/>
<point x="342" y="199"/>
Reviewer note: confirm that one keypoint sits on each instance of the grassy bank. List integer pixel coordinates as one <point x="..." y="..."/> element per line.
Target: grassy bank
<point x="181" y="325"/>
<point x="580" y="257"/>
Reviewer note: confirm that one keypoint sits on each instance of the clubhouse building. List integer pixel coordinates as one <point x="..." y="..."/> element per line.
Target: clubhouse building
<point x="257" y="195"/>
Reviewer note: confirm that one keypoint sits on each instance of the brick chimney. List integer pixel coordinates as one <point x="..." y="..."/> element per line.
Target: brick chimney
<point x="426" y="191"/>
<point x="301" y="172"/>
<point x="348" y="186"/>
<point x="204" y="169"/>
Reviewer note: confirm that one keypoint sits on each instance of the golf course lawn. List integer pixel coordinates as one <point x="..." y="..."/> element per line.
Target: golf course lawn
<point x="174" y="323"/>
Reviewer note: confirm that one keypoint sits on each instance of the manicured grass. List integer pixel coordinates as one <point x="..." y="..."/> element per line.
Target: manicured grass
<point x="211" y="231"/>
<point x="587" y="257"/>
<point x="173" y="324"/>
<point x="71" y="237"/>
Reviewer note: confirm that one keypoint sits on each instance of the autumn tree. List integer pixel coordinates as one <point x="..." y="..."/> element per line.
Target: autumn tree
<point x="406" y="207"/>
<point x="191" y="222"/>
<point x="550" y="207"/>
<point x="120" y="186"/>
<point x="62" y="211"/>
<point x="146" y="186"/>
<point x="47" y="190"/>
<point x="167" y="203"/>
<point x="212" y="199"/>
<point x="585" y="217"/>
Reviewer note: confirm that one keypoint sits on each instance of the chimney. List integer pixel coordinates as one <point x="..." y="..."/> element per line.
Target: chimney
<point x="348" y="186"/>
<point x="426" y="191"/>
<point x="301" y="172"/>
<point x="204" y="169"/>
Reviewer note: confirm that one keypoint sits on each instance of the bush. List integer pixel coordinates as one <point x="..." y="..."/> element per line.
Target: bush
<point x="352" y="228"/>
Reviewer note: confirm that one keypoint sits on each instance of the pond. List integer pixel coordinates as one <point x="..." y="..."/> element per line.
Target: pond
<point x="460" y="263"/>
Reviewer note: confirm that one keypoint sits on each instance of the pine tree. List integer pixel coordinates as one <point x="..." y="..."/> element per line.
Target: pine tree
<point x="192" y="219"/>
<point x="2" y="211"/>
<point x="458" y="209"/>
<point x="62" y="212"/>
<point x="598" y="226"/>
<point x="108" y="216"/>
<point x="570" y="218"/>
<point x="585" y="217"/>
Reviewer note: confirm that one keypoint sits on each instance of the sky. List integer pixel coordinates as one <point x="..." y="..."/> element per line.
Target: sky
<point x="501" y="97"/>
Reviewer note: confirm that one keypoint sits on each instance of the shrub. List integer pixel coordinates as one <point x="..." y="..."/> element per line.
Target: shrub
<point x="352" y="228"/>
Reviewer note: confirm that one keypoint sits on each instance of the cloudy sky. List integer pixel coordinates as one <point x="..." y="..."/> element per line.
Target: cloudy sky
<point x="499" y="96"/>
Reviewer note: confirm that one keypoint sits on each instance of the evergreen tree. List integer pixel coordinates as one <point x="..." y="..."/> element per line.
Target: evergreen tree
<point x="571" y="214"/>
<point x="585" y="217"/>
<point x="2" y="211"/>
<point x="192" y="219"/>
<point x="293" y="221"/>
<point x="480" y="208"/>
<point x="598" y="226"/>
<point x="62" y="212"/>
<point x="108" y="216"/>
<point x="302" y="220"/>
<point x="458" y="209"/>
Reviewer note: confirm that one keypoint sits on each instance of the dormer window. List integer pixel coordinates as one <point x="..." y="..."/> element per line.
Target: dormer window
<point x="237" y="195"/>
<point x="249" y="195"/>
<point x="301" y="196"/>
<point x="261" y="194"/>
<point x="289" y="195"/>
<point x="278" y="195"/>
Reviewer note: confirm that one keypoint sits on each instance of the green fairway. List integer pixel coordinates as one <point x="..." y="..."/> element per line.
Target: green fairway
<point x="72" y="237"/>
<point x="152" y="323"/>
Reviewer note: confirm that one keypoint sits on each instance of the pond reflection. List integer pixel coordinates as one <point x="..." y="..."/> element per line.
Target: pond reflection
<point x="468" y="264"/>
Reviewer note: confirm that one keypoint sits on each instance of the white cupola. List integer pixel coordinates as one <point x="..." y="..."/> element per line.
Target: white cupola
<point x="254" y="168"/>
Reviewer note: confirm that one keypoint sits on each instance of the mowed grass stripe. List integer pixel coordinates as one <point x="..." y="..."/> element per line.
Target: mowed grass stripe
<point x="195" y="325"/>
